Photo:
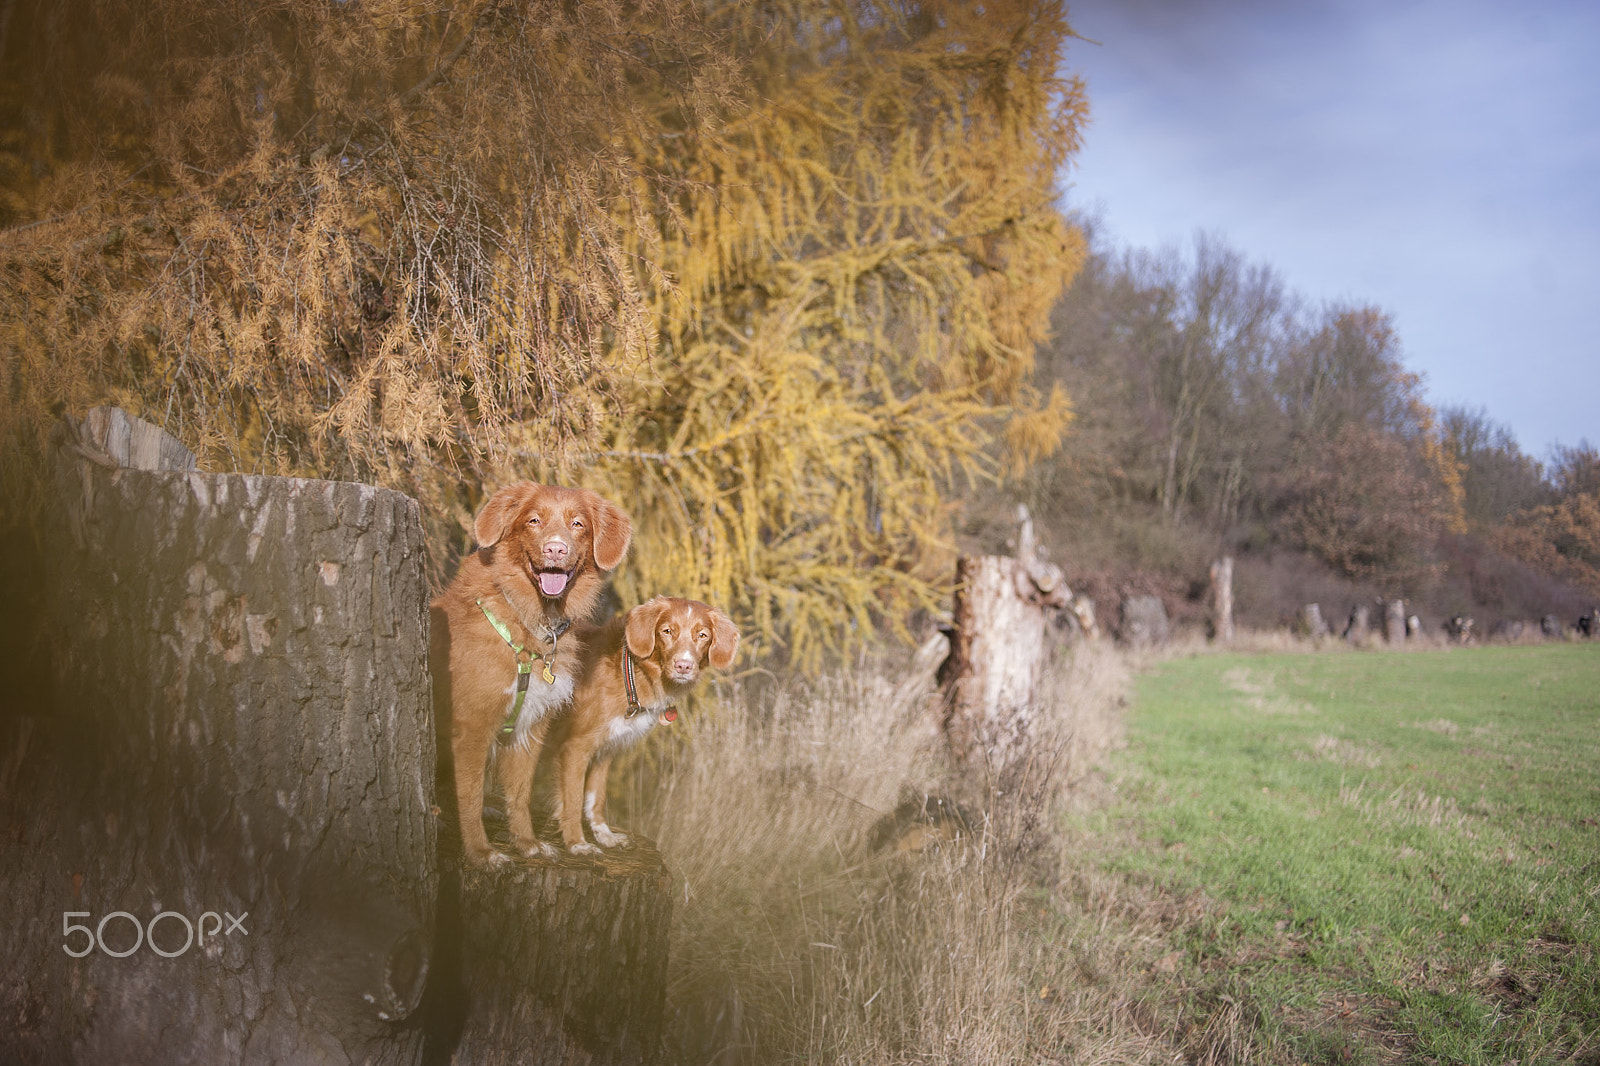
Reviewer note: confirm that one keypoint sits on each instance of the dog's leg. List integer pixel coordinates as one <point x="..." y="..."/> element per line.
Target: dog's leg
<point x="514" y="767"/>
<point x="469" y="749"/>
<point x="594" y="806"/>
<point x="571" y="765"/>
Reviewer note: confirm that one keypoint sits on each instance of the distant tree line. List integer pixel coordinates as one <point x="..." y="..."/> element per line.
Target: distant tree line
<point x="1211" y="398"/>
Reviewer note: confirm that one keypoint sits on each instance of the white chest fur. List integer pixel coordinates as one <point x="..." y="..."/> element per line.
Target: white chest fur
<point x="541" y="699"/>
<point x="624" y="733"/>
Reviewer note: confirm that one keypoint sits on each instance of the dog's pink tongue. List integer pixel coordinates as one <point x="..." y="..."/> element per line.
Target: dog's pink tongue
<point x="552" y="582"/>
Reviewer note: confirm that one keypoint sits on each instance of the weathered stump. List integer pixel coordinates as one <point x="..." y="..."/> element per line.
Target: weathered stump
<point x="1359" y="627"/>
<point x="1460" y="629"/>
<point x="563" y="961"/>
<point x="1311" y="618"/>
<point x="1508" y="630"/>
<point x="1222" y="599"/>
<point x="1082" y="608"/>
<point x="241" y="729"/>
<point x="1394" y="622"/>
<point x="1144" y="621"/>
<point x="996" y="662"/>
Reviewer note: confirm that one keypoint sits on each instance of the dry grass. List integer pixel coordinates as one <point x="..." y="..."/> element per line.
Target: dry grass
<point x="1405" y="806"/>
<point x="795" y="939"/>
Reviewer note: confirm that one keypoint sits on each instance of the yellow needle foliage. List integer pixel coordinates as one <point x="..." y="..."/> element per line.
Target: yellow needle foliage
<point x="770" y="274"/>
<point x="864" y="259"/>
<point x="357" y="240"/>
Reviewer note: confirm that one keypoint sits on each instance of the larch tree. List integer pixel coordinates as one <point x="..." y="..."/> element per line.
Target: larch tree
<point x="769" y="273"/>
<point x="864" y="262"/>
<point x="373" y="241"/>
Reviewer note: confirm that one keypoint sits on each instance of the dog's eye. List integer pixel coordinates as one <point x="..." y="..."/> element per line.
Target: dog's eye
<point x="577" y="523"/>
<point x="701" y="636"/>
<point x="533" y="520"/>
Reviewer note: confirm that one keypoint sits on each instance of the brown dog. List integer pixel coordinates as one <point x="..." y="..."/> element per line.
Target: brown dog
<point x="501" y="627"/>
<point x="633" y="667"/>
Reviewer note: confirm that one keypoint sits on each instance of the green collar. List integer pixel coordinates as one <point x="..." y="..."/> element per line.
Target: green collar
<point x="525" y="660"/>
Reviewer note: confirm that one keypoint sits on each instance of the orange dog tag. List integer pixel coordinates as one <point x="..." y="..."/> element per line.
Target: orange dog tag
<point x="669" y="715"/>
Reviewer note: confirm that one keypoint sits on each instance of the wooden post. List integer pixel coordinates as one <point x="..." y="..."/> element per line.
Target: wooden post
<point x="1222" y="599"/>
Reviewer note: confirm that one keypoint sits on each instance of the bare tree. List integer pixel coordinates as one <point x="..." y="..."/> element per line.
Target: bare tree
<point x="1498" y="479"/>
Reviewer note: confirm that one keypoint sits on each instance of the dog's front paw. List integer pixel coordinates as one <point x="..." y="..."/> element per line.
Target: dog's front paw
<point x="488" y="860"/>
<point x="585" y="848"/>
<point x="607" y="837"/>
<point x="485" y="858"/>
<point x="539" y="850"/>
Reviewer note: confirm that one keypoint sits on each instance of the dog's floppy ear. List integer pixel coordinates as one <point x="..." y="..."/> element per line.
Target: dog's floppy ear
<point x="640" y="629"/>
<point x="613" y="531"/>
<point x="724" y="640"/>
<point x="496" y="516"/>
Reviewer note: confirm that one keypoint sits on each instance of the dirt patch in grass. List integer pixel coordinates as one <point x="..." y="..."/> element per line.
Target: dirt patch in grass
<point x="1351" y="1028"/>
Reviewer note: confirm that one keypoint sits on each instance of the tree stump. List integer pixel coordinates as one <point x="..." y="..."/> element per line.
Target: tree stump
<point x="226" y="807"/>
<point x="1460" y="629"/>
<point x="1222" y="599"/>
<point x="1082" y="607"/>
<point x="561" y="961"/>
<point x="1394" y="622"/>
<point x="1144" y="621"/>
<point x="232" y="794"/>
<point x="1360" y="624"/>
<point x="996" y="662"/>
<point x="999" y="650"/>
<point x="1311" y="617"/>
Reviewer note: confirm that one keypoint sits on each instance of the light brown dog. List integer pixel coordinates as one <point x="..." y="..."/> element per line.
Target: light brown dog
<point x="633" y="667"/>
<point x="502" y="626"/>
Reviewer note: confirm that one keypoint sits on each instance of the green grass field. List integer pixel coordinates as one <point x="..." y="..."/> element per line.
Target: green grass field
<point x="1380" y="857"/>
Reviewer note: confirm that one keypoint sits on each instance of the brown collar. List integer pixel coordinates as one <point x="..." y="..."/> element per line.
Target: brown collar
<point x="668" y="714"/>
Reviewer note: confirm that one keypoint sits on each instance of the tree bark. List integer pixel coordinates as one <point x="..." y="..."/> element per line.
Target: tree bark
<point x="561" y="961"/>
<point x="241" y="726"/>
<point x="1316" y="627"/>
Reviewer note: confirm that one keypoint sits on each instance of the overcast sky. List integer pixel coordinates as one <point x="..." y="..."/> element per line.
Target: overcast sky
<point x="1437" y="158"/>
